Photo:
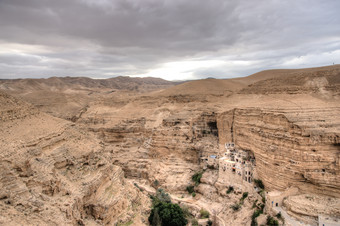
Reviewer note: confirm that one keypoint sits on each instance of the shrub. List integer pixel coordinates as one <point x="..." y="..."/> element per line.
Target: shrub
<point x="271" y="221"/>
<point x="190" y="189"/>
<point x="253" y="222"/>
<point x="193" y="194"/>
<point x="236" y="207"/>
<point x="186" y="212"/>
<point x="256" y="214"/>
<point x="230" y="189"/>
<point x="194" y="222"/>
<point x="259" y="183"/>
<point x="262" y="206"/>
<point x="160" y="196"/>
<point x="136" y="185"/>
<point x="210" y="223"/>
<point x="197" y="178"/>
<point x="244" y="196"/>
<point x="156" y="183"/>
<point x="279" y="215"/>
<point x="254" y="204"/>
<point x="210" y="166"/>
<point x="204" y="213"/>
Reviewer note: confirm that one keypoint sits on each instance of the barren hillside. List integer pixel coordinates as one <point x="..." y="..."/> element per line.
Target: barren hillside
<point x="287" y="119"/>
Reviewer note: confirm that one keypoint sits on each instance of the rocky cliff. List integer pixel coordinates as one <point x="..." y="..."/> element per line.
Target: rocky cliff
<point x="52" y="173"/>
<point x="168" y="153"/>
<point x="288" y="151"/>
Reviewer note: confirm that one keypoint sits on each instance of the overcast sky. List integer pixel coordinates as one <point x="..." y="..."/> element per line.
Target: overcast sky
<point x="170" y="39"/>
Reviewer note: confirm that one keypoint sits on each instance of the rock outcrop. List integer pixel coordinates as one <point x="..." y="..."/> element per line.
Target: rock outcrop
<point x="288" y="153"/>
<point x="52" y="173"/>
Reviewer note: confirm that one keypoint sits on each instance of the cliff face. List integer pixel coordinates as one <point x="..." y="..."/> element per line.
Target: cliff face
<point x="51" y="172"/>
<point x="168" y="152"/>
<point x="288" y="151"/>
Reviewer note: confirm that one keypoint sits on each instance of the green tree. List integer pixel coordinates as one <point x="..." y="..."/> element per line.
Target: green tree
<point x="197" y="178"/>
<point x="259" y="183"/>
<point x="271" y="221"/>
<point x="170" y="215"/>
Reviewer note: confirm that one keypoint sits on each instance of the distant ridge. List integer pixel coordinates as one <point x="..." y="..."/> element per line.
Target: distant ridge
<point x="60" y="83"/>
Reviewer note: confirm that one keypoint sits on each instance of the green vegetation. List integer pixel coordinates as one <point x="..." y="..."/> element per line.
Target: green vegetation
<point x="167" y="214"/>
<point x="262" y="206"/>
<point x="190" y="189"/>
<point x="271" y="221"/>
<point x="230" y="189"/>
<point x="254" y="223"/>
<point x="136" y="185"/>
<point x="194" y="222"/>
<point x="204" y="213"/>
<point x="164" y="212"/>
<point x="197" y="178"/>
<point x="279" y="215"/>
<point x="126" y="224"/>
<point x="259" y="183"/>
<point x="210" y="166"/>
<point x="156" y="183"/>
<point x="186" y="212"/>
<point x="210" y="223"/>
<point x="256" y="213"/>
<point x="244" y="195"/>
<point x="160" y="196"/>
<point x="255" y="204"/>
<point x="236" y="207"/>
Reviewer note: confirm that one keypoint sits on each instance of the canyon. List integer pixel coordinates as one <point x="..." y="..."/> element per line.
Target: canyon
<point x="90" y="152"/>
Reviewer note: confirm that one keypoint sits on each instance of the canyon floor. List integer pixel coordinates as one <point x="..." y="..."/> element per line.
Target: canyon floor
<point x="78" y="151"/>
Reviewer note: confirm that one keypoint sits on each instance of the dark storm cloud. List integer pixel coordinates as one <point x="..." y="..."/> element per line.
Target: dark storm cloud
<point x="103" y="38"/>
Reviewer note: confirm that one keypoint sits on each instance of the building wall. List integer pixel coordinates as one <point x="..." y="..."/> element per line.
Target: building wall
<point x="244" y="173"/>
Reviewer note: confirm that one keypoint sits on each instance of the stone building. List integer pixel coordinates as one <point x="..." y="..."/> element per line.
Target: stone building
<point x="237" y="167"/>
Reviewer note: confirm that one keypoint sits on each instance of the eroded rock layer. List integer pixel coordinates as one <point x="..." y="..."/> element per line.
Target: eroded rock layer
<point x="54" y="174"/>
<point x="288" y="151"/>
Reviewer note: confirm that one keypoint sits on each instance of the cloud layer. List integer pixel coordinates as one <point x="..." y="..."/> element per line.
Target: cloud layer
<point x="175" y="39"/>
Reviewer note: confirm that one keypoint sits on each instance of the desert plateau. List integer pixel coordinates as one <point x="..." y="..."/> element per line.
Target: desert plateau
<point x="90" y="152"/>
<point x="169" y="113"/>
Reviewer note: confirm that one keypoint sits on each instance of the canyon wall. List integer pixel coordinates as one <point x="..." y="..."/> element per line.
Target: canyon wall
<point x="288" y="152"/>
<point x="52" y="173"/>
<point x="169" y="152"/>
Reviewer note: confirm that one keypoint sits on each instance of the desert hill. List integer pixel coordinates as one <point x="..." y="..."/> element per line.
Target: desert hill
<point x="295" y="81"/>
<point x="66" y="97"/>
<point x="203" y="87"/>
<point x="278" y="73"/>
<point x="288" y="119"/>
<point x="62" y="83"/>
